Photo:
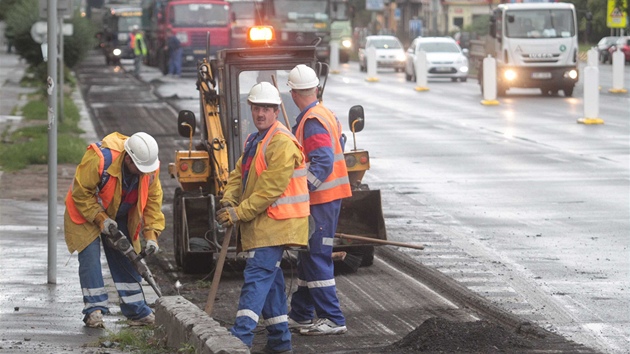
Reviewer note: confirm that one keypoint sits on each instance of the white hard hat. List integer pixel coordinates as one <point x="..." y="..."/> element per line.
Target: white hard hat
<point x="302" y="77"/>
<point x="143" y="150"/>
<point x="264" y="93"/>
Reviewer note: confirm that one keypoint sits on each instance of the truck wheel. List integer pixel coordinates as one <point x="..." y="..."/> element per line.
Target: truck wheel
<point x="368" y="256"/>
<point x="568" y="91"/>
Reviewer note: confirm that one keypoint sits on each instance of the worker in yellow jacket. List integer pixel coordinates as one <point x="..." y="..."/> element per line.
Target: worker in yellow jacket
<point x="116" y="185"/>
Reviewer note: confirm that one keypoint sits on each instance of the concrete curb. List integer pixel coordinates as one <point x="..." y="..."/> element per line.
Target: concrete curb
<point x="178" y="323"/>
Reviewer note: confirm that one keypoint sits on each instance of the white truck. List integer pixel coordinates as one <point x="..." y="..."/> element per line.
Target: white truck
<point x="535" y="46"/>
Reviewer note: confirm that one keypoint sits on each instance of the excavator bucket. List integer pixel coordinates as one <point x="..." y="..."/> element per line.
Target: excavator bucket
<point x="362" y="214"/>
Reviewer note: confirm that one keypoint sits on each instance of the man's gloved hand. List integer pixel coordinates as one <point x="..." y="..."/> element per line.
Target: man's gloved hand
<point x="225" y="204"/>
<point x="153" y="244"/>
<point x="107" y="226"/>
<point x="105" y="222"/>
<point x="227" y="216"/>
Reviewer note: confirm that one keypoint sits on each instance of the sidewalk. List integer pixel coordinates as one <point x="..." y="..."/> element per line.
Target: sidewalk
<point x="35" y="316"/>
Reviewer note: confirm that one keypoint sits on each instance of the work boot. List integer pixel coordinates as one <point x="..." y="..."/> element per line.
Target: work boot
<point x="94" y="319"/>
<point x="144" y="321"/>
<point x="296" y="326"/>
<point x="323" y="326"/>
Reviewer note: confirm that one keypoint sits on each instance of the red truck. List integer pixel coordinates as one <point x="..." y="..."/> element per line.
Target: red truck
<point x="194" y="22"/>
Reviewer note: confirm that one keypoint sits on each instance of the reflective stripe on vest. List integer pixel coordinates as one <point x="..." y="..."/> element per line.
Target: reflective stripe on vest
<point x="294" y="201"/>
<point x="337" y="185"/>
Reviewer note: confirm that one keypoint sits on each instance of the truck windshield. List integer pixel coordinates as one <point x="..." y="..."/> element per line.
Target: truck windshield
<point x="300" y="10"/>
<point x="199" y="15"/>
<point x="244" y="9"/>
<point x="339" y="11"/>
<point x="125" y="24"/>
<point x="539" y="24"/>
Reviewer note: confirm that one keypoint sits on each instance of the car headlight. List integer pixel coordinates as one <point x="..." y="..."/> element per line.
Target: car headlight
<point x="401" y="57"/>
<point x="346" y="43"/>
<point x="117" y="52"/>
<point x="509" y="74"/>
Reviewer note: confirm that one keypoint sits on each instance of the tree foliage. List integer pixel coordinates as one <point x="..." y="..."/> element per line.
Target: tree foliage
<point x="23" y="14"/>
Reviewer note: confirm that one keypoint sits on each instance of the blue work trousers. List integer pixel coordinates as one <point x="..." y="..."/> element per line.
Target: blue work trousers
<point x="263" y="293"/>
<point x="175" y="62"/>
<point x="126" y="279"/>
<point x="317" y="292"/>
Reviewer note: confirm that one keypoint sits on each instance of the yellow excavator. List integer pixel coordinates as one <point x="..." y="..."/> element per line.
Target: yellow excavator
<point x="202" y="169"/>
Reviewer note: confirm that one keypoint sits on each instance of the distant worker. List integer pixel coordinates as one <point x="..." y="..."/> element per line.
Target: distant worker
<point x="319" y="132"/>
<point x="267" y="196"/>
<point x="117" y="183"/>
<point x="139" y="48"/>
<point x="175" y="51"/>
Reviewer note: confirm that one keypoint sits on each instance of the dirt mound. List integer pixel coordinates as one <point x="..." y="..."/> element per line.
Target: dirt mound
<point x="437" y="335"/>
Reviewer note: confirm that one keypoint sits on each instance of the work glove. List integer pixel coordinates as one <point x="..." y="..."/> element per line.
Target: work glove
<point x="225" y="204"/>
<point x="105" y="223"/>
<point x="227" y="216"/>
<point x="153" y="244"/>
<point x="110" y="227"/>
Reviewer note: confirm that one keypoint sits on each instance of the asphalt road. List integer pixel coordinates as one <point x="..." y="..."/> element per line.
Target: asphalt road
<point x="518" y="202"/>
<point x="492" y="191"/>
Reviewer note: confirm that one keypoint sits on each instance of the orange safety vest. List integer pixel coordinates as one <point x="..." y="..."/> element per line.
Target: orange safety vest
<point x="337" y="185"/>
<point x="105" y="193"/>
<point x="294" y="201"/>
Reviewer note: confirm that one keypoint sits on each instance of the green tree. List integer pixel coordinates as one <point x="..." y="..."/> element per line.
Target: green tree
<point x="21" y="17"/>
<point x="5" y="5"/>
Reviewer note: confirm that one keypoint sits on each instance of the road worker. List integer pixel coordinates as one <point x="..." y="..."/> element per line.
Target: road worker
<point x="116" y="184"/>
<point x="319" y="132"/>
<point x="139" y="47"/>
<point x="267" y="195"/>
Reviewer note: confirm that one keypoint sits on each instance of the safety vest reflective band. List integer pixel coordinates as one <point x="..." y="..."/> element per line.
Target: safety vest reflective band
<point x="294" y="201"/>
<point x="137" y="44"/>
<point x="107" y="187"/>
<point x="337" y="185"/>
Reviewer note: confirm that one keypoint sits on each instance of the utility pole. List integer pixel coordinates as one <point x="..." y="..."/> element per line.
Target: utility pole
<point x="434" y="14"/>
<point x="52" y="141"/>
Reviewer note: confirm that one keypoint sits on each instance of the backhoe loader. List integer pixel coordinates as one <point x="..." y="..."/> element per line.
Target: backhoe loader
<point x="225" y="118"/>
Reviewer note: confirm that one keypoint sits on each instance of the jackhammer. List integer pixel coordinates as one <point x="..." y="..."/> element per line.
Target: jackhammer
<point x="119" y="241"/>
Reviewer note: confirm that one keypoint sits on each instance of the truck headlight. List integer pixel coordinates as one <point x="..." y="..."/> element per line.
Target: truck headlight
<point x="117" y="52"/>
<point x="571" y="74"/>
<point x="509" y="74"/>
<point x="346" y="43"/>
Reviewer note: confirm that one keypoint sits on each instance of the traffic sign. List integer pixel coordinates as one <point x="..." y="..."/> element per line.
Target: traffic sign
<point x="615" y="15"/>
<point x="39" y="31"/>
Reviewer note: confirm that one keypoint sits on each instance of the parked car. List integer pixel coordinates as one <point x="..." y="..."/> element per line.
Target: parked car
<point x="603" y="46"/>
<point x="624" y="44"/>
<point x="389" y="52"/>
<point x="445" y="58"/>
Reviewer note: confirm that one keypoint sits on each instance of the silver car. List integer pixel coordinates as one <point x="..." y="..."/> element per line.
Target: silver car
<point x="445" y="58"/>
